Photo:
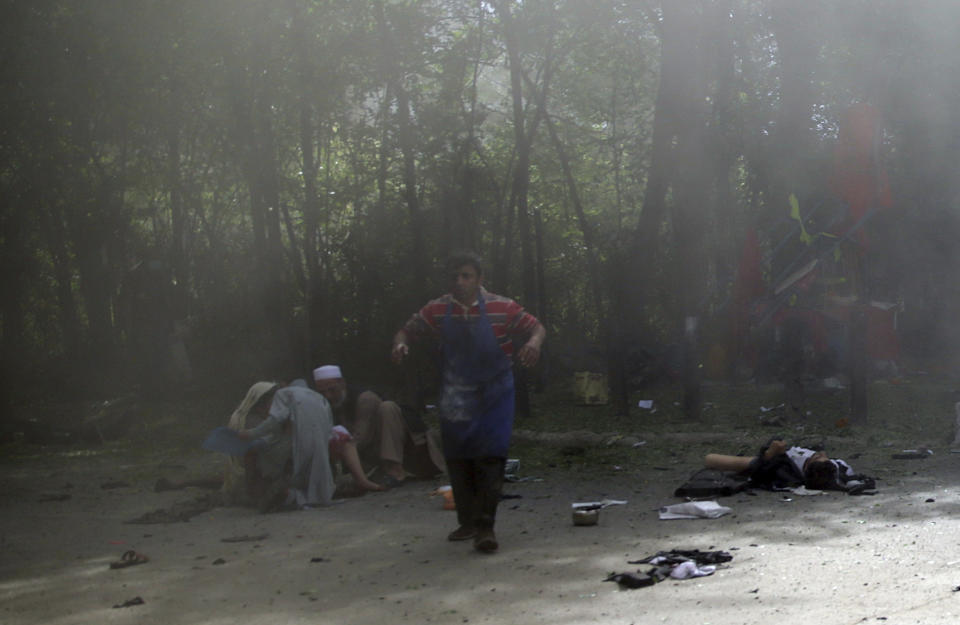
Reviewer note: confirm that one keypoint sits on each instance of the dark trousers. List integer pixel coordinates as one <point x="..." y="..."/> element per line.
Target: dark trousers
<point x="477" y="484"/>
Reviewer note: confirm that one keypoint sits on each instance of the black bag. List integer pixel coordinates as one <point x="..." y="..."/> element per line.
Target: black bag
<point x="711" y="483"/>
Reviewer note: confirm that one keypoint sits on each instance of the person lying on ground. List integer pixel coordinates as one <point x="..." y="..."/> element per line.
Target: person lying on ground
<point x="385" y="434"/>
<point x="299" y="440"/>
<point x="779" y="465"/>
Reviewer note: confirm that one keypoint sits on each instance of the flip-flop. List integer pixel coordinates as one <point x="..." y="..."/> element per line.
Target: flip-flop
<point x="129" y="558"/>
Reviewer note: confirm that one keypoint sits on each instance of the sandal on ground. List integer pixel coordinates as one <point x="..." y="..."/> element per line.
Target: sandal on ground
<point x="129" y="558"/>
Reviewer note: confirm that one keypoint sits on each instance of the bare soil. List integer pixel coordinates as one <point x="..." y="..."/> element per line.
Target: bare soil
<point x="383" y="558"/>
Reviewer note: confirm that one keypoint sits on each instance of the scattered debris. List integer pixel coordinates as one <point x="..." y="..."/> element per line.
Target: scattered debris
<point x="913" y="454"/>
<point x="130" y="602"/>
<point x="129" y="558"/>
<point x="675" y="564"/>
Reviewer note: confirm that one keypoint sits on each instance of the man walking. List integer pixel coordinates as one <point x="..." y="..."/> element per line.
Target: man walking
<point x="475" y="329"/>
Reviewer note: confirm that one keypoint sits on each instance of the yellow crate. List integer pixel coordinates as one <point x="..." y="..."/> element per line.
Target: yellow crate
<point x="590" y="389"/>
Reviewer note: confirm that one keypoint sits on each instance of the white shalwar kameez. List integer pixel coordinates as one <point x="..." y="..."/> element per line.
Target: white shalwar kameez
<point x="311" y="423"/>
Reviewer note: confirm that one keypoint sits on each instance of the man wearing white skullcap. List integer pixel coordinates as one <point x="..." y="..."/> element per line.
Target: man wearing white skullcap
<point x="380" y="429"/>
<point x="298" y="428"/>
<point x="327" y="372"/>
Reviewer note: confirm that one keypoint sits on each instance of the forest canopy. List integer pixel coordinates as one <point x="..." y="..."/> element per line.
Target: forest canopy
<point x="223" y="190"/>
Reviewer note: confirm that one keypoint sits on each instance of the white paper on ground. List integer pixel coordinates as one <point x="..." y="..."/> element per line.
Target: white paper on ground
<point x="694" y="510"/>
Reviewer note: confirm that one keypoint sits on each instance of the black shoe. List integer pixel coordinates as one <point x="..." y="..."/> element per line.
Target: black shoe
<point x="464" y="532"/>
<point x="485" y="541"/>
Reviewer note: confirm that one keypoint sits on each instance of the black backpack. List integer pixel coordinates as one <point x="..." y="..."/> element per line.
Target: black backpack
<point x="711" y="483"/>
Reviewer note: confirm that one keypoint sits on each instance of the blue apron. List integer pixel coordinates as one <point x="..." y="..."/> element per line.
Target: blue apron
<point x="476" y="408"/>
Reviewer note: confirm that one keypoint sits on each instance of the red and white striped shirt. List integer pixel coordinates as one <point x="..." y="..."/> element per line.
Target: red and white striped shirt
<point x="507" y="318"/>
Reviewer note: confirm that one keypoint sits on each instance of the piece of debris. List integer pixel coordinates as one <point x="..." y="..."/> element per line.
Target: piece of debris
<point x="694" y="510"/>
<point x="594" y="505"/>
<point x="130" y="602"/>
<point x="675" y="564"/>
<point x="129" y="558"/>
<point x="913" y="454"/>
<point x="632" y="580"/>
<point x="676" y="556"/>
<point x="244" y="538"/>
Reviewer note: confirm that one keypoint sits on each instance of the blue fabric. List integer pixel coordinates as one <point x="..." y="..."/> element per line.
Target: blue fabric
<point x="476" y="408"/>
<point x="226" y="441"/>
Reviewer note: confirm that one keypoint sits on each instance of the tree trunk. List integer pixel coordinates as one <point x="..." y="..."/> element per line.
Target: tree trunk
<point x="607" y="332"/>
<point x="793" y="137"/>
<point x="678" y="145"/>
<point x="312" y="278"/>
<point x="406" y="138"/>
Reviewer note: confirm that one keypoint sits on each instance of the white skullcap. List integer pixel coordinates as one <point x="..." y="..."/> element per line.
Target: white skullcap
<point x="327" y="372"/>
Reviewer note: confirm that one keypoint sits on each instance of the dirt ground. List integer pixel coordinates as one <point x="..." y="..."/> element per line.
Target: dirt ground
<point x="383" y="558"/>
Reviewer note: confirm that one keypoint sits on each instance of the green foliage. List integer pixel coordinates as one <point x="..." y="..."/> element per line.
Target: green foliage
<point x="300" y="168"/>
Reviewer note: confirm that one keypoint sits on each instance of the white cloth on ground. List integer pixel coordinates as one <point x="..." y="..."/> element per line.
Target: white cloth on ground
<point x="686" y="570"/>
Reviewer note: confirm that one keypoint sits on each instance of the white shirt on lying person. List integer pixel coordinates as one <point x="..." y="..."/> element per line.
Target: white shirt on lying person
<point x="800" y="455"/>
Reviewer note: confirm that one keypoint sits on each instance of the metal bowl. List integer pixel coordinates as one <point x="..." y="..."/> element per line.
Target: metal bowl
<point x="586" y="516"/>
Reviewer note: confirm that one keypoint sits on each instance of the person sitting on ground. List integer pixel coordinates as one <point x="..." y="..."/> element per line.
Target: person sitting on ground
<point x="395" y="439"/>
<point x="781" y="466"/>
<point x="292" y="465"/>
